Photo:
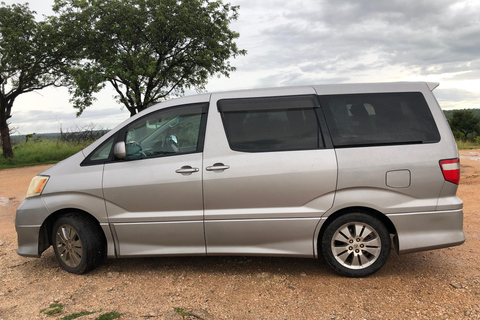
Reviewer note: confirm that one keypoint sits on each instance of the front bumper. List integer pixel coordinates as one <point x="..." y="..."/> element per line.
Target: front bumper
<point x="28" y="221"/>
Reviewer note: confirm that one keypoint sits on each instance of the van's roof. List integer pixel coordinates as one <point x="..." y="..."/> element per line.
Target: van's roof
<point x="339" y="86"/>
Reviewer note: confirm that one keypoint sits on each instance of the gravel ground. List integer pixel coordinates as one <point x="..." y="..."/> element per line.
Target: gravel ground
<point x="440" y="284"/>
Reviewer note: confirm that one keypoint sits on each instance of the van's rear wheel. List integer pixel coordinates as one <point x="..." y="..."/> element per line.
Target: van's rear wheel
<point x="79" y="243"/>
<point x="356" y="244"/>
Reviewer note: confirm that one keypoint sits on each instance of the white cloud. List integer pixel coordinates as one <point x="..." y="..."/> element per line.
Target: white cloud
<point x="457" y="99"/>
<point x="361" y="41"/>
<point x="319" y="41"/>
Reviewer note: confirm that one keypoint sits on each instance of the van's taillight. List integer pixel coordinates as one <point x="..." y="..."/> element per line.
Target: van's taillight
<point x="451" y="170"/>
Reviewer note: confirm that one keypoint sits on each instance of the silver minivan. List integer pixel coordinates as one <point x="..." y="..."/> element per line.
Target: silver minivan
<point x="339" y="171"/>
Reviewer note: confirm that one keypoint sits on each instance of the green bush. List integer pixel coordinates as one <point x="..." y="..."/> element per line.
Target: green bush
<point x="41" y="152"/>
<point x="467" y="145"/>
<point x="465" y="125"/>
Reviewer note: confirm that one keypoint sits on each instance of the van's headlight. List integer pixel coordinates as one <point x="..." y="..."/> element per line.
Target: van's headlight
<point x="36" y="186"/>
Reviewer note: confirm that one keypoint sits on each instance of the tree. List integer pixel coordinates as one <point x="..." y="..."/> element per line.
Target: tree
<point x="465" y="122"/>
<point x="147" y="50"/>
<point x="32" y="57"/>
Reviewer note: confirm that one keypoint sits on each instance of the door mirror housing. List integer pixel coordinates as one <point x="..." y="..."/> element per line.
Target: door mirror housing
<point x="119" y="150"/>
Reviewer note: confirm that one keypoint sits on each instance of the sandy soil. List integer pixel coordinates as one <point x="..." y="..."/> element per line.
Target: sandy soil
<point x="440" y="284"/>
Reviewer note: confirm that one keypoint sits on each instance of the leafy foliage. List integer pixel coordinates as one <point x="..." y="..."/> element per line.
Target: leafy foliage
<point x="465" y="124"/>
<point x="33" y="55"/>
<point x="147" y="49"/>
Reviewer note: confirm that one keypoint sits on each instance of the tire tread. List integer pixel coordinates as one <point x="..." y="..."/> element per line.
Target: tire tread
<point x="93" y="241"/>
<point x="380" y="228"/>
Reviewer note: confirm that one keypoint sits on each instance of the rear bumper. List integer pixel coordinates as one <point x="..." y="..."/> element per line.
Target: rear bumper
<point x="422" y="231"/>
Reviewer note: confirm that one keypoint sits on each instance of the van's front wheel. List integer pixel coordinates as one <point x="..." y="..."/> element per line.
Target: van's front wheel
<point x="356" y="244"/>
<point x="79" y="243"/>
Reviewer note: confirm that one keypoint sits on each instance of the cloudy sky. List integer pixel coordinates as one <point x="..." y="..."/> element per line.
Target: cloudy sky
<point x="315" y="42"/>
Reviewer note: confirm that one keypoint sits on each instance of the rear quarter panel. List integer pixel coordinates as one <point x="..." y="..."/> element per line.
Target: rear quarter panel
<point x="362" y="170"/>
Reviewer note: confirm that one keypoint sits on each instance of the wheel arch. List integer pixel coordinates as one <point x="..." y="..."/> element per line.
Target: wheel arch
<point x="372" y="212"/>
<point x="44" y="236"/>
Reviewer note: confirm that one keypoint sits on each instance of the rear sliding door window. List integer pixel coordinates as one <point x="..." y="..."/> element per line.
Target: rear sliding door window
<point x="379" y="119"/>
<point x="271" y="124"/>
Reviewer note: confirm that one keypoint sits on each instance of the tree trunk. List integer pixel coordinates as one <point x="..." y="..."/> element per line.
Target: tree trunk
<point x="133" y="111"/>
<point x="5" y="135"/>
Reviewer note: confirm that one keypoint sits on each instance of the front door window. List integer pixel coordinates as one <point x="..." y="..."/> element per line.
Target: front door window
<point x="164" y="133"/>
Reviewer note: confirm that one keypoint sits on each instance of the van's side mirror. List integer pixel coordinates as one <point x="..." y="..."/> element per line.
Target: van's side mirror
<point x="120" y="151"/>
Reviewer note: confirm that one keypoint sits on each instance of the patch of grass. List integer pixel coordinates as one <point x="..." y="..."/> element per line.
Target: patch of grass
<point x="467" y="145"/>
<point x="182" y="311"/>
<point x="53" y="309"/>
<point x="56" y="308"/>
<point x="42" y="152"/>
<point x="78" y="315"/>
<point x="110" y="316"/>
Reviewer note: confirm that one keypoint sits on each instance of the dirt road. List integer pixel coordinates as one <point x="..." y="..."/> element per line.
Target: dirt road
<point x="440" y="284"/>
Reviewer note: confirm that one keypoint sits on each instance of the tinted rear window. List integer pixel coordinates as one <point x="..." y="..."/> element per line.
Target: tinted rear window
<point x="271" y="124"/>
<point x="379" y="119"/>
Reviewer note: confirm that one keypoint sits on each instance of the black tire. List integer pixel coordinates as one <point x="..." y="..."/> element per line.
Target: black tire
<point x="79" y="243"/>
<point x="356" y="244"/>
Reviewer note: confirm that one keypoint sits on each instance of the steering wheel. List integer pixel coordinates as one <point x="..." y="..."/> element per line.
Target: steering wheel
<point x="134" y="148"/>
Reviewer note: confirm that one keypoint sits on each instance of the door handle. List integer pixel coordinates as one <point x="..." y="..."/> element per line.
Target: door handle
<point x="186" y="169"/>
<point x="218" y="167"/>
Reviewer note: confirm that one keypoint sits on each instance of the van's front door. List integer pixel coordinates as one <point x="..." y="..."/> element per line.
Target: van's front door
<point x="154" y="196"/>
<point x="268" y="178"/>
